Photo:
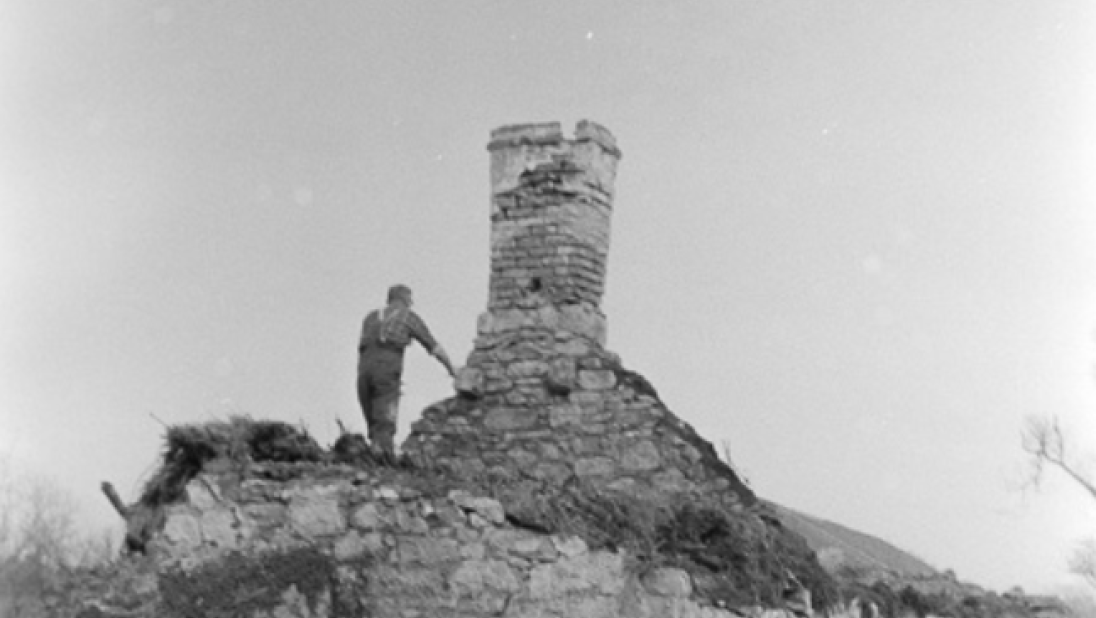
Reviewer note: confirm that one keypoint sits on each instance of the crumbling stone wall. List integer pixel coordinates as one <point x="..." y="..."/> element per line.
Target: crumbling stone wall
<point x="346" y="542"/>
<point x="334" y="541"/>
<point x="541" y="394"/>
<point x="314" y="540"/>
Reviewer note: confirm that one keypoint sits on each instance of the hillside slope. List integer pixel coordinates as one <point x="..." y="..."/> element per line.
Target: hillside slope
<point x="856" y="548"/>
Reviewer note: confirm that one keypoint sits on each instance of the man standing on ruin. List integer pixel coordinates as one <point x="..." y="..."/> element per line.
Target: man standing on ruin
<point x="386" y="332"/>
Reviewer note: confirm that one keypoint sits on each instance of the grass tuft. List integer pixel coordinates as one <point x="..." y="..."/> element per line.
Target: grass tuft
<point x="239" y="439"/>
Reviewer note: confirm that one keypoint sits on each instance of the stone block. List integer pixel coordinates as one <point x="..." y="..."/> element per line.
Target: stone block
<point x="522" y="458"/>
<point x="570" y="546"/>
<point x="561" y="415"/>
<point x="469" y="382"/>
<point x="350" y="546"/>
<point x="535" y="548"/>
<point x="548" y="315"/>
<point x="599" y="572"/>
<point x="531" y="350"/>
<point x="588" y="398"/>
<point x="183" y="529"/>
<point x="595" y="466"/>
<point x="406" y="522"/>
<point x="473" y="550"/>
<point x="316" y="515"/>
<point x="552" y="472"/>
<point x="503" y="320"/>
<point x="596" y="428"/>
<point x="374" y="542"/>
<point x="668" y="582"/>
<point x="573" y="346"/>
<point x="265" y="515"/>
<point x="561" y="377"/>
<point x="410" y="583"/>
<point x="527" y="369"/>
<point x="487" y="508"/>
<point x="596" y="380"/>
<point x="255" y="489"/>
<point x="584" y="130"/>
<point x="591" y="362"/>
<point x="501" y="541"/>
<point x="474" y="577"/>
<point x="516" y="398"/>
<point x="587" y="445"/>
<point x="426" y="550"/>
<point x="508" y="419"/>
<point x="203" y="493"/>
<point x="671" y="480"/>
<point x="367" y="517"/>
<point x="651" y="606"/>
<point x="477" y="522"/>
<point x="689" y="453"/>
<point x="387" y="494"/>
<point x="497" y="385"/>
<point x="641" y="456"/>
<point x="465" y="467"/>
<point x="624" y="485"/>
<point x="571" y="607"/>
<point x="219" y="528"/>
<point x="585" y="320"/>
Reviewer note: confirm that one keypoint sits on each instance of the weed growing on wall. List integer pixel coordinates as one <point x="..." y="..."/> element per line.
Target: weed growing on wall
<point x="240" y="585"/>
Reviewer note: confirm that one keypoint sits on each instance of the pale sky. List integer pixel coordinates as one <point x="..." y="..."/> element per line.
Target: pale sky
<point x="854" y="239"/>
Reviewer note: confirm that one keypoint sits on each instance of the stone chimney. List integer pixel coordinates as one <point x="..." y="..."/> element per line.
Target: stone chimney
<point x="551" y="205"/>
<point x="540" y="396"/>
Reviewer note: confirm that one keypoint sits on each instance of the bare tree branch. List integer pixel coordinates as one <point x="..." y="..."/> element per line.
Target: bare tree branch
<point x="115" y="500"/>
<point x="1083" y="561"/>
<point x="1044" y="441"/>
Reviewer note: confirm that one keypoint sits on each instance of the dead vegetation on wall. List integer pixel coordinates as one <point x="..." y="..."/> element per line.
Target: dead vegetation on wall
<point x="239" y="439"/>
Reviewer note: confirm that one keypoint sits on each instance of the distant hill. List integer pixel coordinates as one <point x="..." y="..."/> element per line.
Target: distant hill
<point x="855" y="548"/>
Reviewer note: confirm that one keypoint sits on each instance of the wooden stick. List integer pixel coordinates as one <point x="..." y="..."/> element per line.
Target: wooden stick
<point x="115" y="501"/>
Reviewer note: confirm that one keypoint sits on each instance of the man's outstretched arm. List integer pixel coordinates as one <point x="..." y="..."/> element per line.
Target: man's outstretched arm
<point x="420" y="332"/>
<point x="443" y="358"/>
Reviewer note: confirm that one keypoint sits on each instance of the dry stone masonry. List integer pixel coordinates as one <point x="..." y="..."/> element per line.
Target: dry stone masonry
<point x="357" y="544"/>
<point x="540" y="394"/>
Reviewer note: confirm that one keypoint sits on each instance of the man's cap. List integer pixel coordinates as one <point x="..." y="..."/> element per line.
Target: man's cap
<point x="399" y="291"/>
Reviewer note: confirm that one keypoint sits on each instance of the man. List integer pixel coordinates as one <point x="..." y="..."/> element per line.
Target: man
<point x="385" y="334"/>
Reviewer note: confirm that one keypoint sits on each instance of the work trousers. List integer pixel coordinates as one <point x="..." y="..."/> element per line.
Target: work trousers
<point x="379" y="372"/>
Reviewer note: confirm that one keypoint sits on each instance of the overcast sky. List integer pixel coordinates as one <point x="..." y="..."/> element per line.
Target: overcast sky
<point x="854" y="239"/>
